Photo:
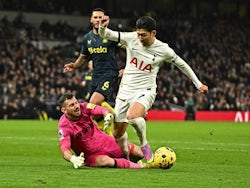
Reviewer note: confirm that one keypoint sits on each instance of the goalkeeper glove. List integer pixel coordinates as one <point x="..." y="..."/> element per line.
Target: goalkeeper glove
<point x="77" y="160"/>
<point x="108" y="120"/>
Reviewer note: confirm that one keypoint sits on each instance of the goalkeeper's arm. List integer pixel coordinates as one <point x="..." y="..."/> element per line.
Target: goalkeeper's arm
<point x="77" y="161"/>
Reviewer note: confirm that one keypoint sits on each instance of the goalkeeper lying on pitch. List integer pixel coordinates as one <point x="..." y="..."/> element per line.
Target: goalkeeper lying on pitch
<point x="78" y="133"/>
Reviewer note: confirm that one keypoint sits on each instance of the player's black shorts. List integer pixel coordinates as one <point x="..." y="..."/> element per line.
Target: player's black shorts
<point x="104" y="84"/>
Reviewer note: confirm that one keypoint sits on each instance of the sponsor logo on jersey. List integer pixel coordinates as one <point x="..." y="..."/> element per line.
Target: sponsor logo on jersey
<point x="98" y="50"/>
<point x="141" y="65"/>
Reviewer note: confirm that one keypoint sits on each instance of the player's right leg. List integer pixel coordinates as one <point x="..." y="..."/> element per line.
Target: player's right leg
<point x="120" y="124"/>
<point x="121" y="136"/>
<point x="135" y="116"/>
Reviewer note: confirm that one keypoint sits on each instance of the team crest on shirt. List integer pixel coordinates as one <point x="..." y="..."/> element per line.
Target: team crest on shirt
<point x="90" y="106"/>
<point x="89" y="41"/>
<point x="60" y="134"/>
<point x="105" y="40"/>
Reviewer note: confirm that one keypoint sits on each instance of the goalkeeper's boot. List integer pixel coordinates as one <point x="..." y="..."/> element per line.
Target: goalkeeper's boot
<point x="147" y="152"/>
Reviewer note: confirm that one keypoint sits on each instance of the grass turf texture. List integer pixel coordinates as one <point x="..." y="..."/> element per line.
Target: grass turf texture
<point x="209" y="154"/>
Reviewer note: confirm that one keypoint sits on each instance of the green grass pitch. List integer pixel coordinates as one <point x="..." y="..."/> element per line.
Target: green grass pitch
<point x="209" y="154"/>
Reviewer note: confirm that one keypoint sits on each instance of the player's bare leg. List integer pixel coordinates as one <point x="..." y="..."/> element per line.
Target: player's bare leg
<point x="96" y="98"/>
<point x="135" y="116"/>
<point x="121" y="136"/>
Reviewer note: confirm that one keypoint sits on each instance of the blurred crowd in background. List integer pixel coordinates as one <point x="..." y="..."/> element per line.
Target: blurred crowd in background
<point x="217" y="49"/>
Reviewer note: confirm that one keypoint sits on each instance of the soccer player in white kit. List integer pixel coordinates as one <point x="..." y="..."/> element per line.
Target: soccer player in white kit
<point x="137" y="92"/>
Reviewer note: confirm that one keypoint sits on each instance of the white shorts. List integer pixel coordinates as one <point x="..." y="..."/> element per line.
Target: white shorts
<point x="123" y="102"/>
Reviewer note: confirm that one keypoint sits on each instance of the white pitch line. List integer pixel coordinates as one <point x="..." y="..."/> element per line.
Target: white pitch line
<point x="158" y="142"/>
<point x="214" y="149"/>
<point x="204" y="143"/>
<point x="195" y="143"/>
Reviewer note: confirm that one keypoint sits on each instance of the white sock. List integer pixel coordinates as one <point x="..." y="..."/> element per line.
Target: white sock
<point x="139" y="125"/>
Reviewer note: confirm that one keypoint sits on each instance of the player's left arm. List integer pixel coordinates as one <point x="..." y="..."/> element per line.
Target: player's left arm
<point x="187" y="70"/>
<point x="97" y="110"/>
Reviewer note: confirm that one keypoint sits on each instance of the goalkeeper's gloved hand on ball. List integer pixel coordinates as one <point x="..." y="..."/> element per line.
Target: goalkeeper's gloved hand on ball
<point x="77" y="160"/>
<point x="108" y="120"/>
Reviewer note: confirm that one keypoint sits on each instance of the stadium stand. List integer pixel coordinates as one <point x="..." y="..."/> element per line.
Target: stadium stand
<point x="32" y="57"/>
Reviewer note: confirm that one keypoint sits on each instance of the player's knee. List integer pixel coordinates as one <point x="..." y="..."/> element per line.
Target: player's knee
<point x="130" y="117"/>
<point x="133" y="116"/>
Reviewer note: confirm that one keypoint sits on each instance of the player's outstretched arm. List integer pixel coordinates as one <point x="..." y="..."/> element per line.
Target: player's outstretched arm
<point x="203" y="89"/>
<point x="77" y="161"/>
<point x="71" y="66"/>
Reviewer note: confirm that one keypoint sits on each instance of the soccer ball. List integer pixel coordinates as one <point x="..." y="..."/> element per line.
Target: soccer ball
<point x="164" y="157"/>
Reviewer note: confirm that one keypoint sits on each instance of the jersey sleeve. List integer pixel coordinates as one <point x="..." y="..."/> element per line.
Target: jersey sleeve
<point x="121" y="37"/>
<point x="93" y="109"/>
<point x="187" y="70"/>
<point x="64" y="139"/>
<point x="173" y="58"/>
<point x="84" y="49"/>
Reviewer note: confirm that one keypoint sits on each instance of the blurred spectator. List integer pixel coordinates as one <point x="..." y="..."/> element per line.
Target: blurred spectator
<point x="31" y="77"/>
<point x="190" y="107"/>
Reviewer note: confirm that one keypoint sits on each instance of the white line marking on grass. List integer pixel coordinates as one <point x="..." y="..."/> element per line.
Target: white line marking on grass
<point x="202" y="143"/>
<point x="160" y="142"/>
<point x="212" y="146"/>
<point x="213" y="149"/>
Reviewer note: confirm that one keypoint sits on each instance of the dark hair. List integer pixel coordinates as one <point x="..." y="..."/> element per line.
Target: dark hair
<point x="63" y="98"/>
<point x="146" y="22"/>
<point x="97" y="9"/>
